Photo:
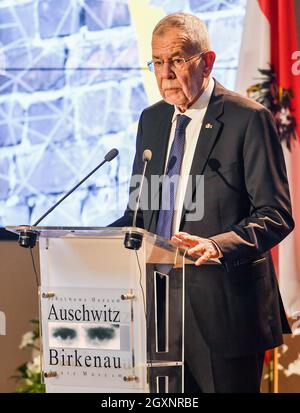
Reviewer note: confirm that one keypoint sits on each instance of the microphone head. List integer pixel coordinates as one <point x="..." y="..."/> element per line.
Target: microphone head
<point x="111" y="154"/>
<point x="147" y="155"/>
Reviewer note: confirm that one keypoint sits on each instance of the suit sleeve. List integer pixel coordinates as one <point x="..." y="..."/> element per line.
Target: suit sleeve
<point x="137" y="169"/>
<point x="270" y="219"/>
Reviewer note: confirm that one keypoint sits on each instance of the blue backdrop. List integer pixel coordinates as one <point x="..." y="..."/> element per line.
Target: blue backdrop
<point x="71" y="88"/>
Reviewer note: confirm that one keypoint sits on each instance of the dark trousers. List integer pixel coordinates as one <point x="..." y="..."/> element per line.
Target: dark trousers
<point x="227" y="375"/>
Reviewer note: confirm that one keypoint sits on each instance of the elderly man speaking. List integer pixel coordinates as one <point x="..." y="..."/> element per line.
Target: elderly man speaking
<point x="233" y="308"/>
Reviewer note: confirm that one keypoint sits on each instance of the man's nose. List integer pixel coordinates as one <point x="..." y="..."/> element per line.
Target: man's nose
<point x="167" y="71"/>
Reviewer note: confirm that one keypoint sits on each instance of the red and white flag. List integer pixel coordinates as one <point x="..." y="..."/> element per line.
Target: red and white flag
<point x="272" y="37"/>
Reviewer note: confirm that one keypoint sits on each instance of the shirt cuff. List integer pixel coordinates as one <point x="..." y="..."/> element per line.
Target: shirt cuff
<point x="217" y="247"/>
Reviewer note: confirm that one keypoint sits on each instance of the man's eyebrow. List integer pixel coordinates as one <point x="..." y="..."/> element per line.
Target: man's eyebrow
<point x="176" y="54"/>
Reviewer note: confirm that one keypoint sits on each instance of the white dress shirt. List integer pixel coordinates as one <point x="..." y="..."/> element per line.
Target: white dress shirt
<point x="196" y="112"/>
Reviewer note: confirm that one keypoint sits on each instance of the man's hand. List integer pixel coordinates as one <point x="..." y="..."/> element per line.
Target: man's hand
<point x="197" y="246"/>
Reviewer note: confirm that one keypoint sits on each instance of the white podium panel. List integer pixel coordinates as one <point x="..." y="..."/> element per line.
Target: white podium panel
<point x="111" y="317"/>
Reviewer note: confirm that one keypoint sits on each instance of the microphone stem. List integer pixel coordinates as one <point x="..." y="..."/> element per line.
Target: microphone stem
<point x="68" y="193"/>
<point x="139" y="195"/>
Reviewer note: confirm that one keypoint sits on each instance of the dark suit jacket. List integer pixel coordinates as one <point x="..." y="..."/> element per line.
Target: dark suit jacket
<point x="236" y="307"/>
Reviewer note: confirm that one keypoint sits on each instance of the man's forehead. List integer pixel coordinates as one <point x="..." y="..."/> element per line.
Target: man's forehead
<point x="170" y="42"/>
<point x="172" y="34"/>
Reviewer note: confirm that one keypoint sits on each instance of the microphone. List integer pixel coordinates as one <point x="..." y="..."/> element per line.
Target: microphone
<point x="27" y="238"/>
<point x="133" y="240"/>
<point x="109" y="157"/>
<point x="147" y="155"/>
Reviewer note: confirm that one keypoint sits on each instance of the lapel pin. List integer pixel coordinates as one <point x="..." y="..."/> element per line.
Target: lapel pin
<point x="208" y="126"/>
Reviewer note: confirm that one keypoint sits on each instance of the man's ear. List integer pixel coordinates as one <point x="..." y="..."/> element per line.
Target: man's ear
<point x="209" y="60"/>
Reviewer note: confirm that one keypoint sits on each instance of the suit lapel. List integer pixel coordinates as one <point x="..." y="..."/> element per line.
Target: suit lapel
<point x="159" y="143"/>
<point x="207" y="138"/>
<point x="209" y="134"/>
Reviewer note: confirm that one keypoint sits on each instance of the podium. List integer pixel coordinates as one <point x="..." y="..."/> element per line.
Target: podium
<point x="112" y="319"/>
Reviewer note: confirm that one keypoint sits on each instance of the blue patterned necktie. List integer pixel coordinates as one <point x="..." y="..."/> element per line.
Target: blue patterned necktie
<point x="168" y="194"/>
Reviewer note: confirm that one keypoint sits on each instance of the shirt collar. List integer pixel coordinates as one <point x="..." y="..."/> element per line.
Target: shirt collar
<point x="201" y="102"/>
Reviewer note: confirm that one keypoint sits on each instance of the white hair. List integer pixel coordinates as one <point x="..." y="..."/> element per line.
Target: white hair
<point x="194" y="28"/>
